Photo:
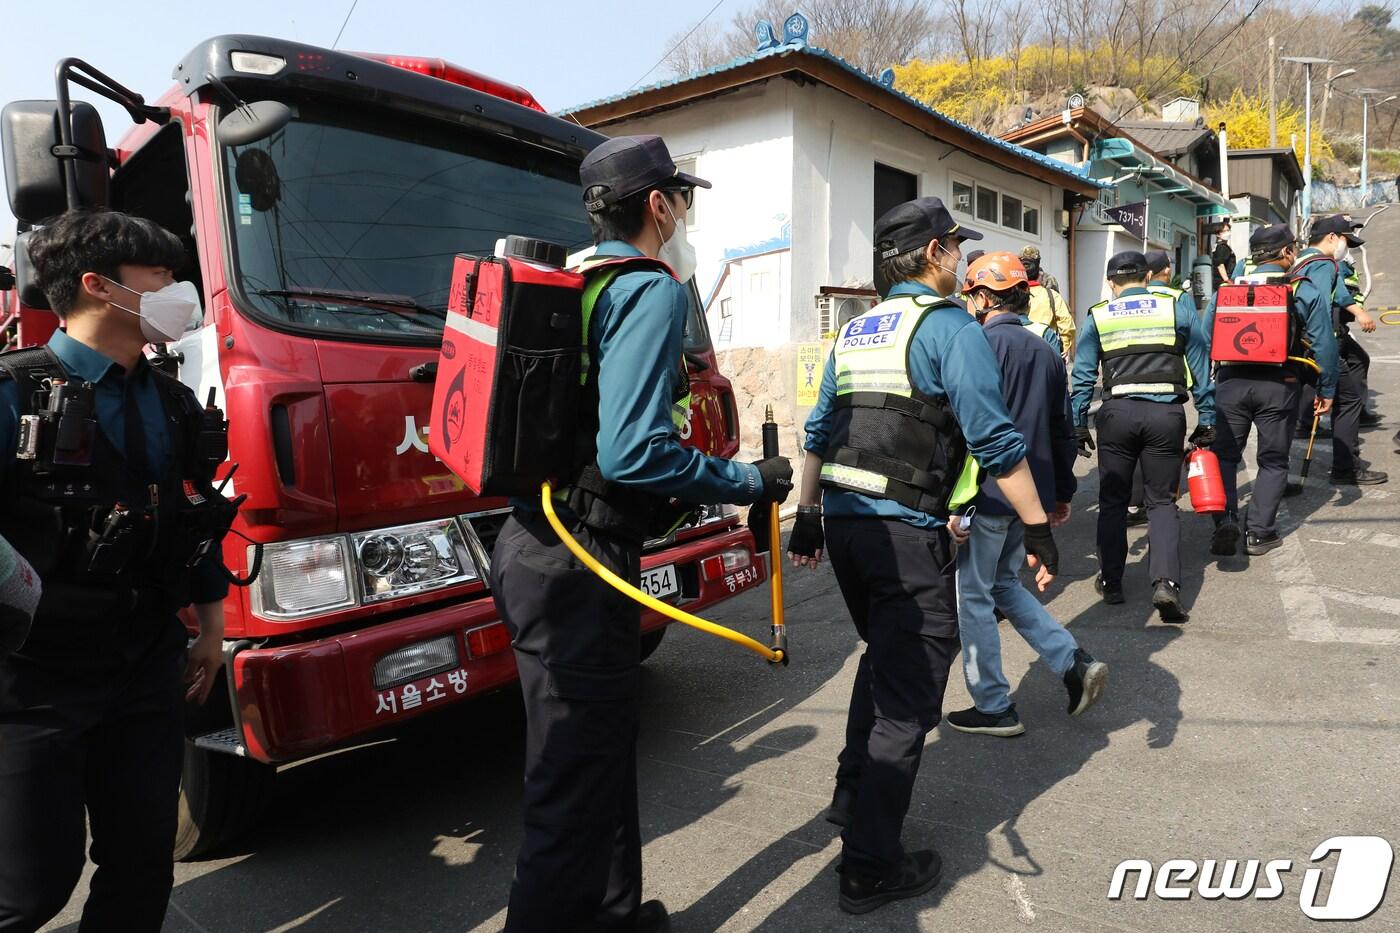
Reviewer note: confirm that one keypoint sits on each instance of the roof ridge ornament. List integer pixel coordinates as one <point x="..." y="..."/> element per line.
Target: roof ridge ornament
<point x="795" y="29"/>
<point x="887" y="78"/>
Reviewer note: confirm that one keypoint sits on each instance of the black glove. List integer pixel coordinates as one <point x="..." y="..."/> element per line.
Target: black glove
<point x="807" y="538"/>
<point x="1041" y="543"/>
<point x="1203" y="436"/>
<point x="777" y="479"/>
<point x="760" y="526"/>
<point x="1085" y="440"/>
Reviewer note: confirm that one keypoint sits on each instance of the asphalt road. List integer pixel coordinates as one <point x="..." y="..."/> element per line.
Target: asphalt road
<point x="1265" y="726"/>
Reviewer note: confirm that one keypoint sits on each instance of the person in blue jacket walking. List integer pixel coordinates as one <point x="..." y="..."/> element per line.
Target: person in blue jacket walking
<point x="992" y="549"/>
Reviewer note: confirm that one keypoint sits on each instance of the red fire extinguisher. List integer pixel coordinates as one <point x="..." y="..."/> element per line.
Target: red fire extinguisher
<point x="1203" y="478"/>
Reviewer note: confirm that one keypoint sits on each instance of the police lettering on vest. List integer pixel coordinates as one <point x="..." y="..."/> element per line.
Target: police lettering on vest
<point x="1140" y="349"/>
<point x="888" y="439"/>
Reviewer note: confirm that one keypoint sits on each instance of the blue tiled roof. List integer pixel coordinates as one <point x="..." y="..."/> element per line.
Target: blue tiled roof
<point x="799" y="48"/>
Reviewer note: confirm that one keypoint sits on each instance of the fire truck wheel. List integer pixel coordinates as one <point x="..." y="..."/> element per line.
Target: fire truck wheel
<point x="651" y="641"/>
<point x="220" y="796"/>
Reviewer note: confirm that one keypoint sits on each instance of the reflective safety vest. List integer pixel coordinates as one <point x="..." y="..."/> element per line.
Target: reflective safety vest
<point x="1140" y="349"/>
<point x="599" y="503"/>
<point x="889" y="440"/>
<point x="680" y="401"/>
<point x="1040" y="330"/>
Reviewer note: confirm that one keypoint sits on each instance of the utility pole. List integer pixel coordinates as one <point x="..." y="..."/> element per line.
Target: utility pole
<point x="1326" y="99"/>
<point x="1273" y="108"/>
<point x="1307" y="63"/>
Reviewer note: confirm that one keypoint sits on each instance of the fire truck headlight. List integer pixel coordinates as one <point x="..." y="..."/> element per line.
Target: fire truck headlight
<point x="304" y="578"/>
<point x="409" y="559"/>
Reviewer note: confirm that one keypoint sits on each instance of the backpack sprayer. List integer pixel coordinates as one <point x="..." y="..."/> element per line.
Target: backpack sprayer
<point x="508" y="399"/>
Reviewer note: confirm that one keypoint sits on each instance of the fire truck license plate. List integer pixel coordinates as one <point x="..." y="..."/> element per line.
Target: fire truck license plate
<point x="660" y="582"/>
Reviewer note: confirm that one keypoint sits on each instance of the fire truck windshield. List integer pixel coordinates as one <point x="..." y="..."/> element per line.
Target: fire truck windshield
<point x="345" y="223"/>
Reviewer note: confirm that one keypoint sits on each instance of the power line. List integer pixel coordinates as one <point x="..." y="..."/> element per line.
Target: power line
<point x="663" y="58"/>
<point x="345" y="22"/>
<point x="1182" y="68"/>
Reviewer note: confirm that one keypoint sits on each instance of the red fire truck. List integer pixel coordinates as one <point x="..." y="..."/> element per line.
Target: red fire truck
<point x="322" y="196"/>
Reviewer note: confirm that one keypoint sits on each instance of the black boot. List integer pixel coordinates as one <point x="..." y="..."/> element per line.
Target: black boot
<point x="917" y="873"/>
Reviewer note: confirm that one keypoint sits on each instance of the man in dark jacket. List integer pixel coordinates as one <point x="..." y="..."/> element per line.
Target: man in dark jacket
<point x="989" y="562"/>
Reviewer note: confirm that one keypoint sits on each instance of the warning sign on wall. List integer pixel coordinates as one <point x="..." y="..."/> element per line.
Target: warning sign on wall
<point x="809" y="373"/>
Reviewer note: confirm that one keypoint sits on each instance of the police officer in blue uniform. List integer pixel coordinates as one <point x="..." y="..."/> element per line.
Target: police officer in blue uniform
<point x="577" y="640"/>
<point x="910" y="403"/>
<point x="1266" y="397"/>
<point x="1153" y="355"/>
<point x="105" y="467"/>
<point x="1349" y="406"/>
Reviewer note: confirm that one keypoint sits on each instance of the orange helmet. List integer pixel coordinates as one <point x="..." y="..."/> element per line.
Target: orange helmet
<point x="997" y="271"/>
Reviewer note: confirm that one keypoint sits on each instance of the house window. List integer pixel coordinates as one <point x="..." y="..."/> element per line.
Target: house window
<point x="1030" y="220"/>
<point x="962" y="196"/>
<point x="986" y="204"/>
<point x="1010" y="212"/>
<point x="1162" y="230"/>
<point x="689" y="167"/>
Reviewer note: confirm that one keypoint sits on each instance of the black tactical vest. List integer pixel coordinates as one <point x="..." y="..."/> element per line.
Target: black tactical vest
<point x="105" y="542"/>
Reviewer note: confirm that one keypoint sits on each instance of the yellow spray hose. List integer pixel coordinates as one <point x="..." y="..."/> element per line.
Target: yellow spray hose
<point x="651" y="602"/>
<point x="1389" y="315"/>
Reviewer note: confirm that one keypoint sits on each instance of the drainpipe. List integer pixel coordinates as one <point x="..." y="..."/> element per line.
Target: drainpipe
<point x="1073" y="304"/>
<point x="1224" y="164"/>
<point x="1082" y="141"/>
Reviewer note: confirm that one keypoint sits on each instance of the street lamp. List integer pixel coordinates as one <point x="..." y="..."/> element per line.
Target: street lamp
<point x="1307" y="64"/>
<point x="1366" y="93"/>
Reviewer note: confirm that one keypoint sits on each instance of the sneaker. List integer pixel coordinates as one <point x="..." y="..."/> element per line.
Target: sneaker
<point x="843" y="804"/>
<point x="1226" y="537"/>
<point x="1166" y="599"/>
<point x="1085" y="681"/>
<point x="1359" y="478"/>
<point x="1254" y="544"/>
<point x="1112" y="593"/>
<point x="652" y="917"/>
<point x="1004" y="724"/>
<point x="1136" y="517"/>
<point x="919" y="871"/>
<point x="1371" y="419"/>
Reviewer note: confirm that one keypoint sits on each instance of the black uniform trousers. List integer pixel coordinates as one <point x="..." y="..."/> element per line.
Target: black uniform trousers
<point x="1347" y="405"/>
<point x="898" y="582"/>
<point x="1268" y="401"/>
<point x="1135" y="433"/>
<point x="578" y="648"/>
<point x="91" y="718"/>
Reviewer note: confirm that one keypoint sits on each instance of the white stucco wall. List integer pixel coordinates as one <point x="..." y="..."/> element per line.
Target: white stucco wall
<point x="742" y="144"/>
<point x="836" y="143"/>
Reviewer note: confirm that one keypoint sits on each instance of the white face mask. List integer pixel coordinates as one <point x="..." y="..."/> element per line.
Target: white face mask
<point x="165" y="314"/>
<point x="1341" y="251"/>
<point x="677" y="252"/>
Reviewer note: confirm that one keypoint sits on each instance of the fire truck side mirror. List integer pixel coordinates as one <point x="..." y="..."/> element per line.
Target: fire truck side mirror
<point x="249" y="123"/>
<point x="26" y="281"/>
<point x="34" y="173"/>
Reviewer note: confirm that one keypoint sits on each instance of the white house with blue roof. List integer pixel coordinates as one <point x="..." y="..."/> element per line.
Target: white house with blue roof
<point x="805" y="151"/>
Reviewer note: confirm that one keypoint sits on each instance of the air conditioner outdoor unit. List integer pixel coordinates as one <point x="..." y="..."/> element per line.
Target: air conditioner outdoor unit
<point x="833" y="311"/>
